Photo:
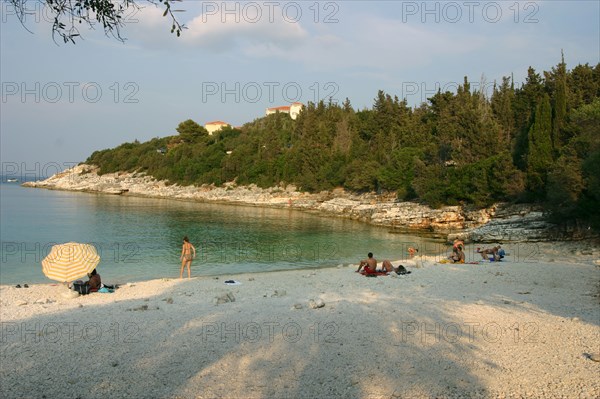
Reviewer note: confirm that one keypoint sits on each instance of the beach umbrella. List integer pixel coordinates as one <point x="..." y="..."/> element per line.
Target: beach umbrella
<point x="70" y="261"/>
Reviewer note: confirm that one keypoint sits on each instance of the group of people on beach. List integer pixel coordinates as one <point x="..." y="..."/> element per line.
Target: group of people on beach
<point x="369" y="265"/>
<point x="458" y="252"/>
<point x="94" y="283"/>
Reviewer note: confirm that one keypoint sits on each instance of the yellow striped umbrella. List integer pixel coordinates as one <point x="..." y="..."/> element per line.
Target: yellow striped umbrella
<point x="69" y="262"/>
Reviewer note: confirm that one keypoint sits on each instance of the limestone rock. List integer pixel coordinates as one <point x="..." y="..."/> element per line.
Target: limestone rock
<point x="497" y="223"/>
<point x="316" y="304"/>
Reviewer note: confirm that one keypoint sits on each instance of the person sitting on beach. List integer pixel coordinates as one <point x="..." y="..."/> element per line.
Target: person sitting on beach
<point x="94" y="282"/>
<point x="490" y="251"/>
<point x="501" y="252"/>
<point x="458" y="255"/>
<point x="369" y="264"/>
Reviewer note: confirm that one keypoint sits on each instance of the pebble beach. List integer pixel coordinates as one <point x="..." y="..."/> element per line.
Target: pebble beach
<point x="514" y="329"/>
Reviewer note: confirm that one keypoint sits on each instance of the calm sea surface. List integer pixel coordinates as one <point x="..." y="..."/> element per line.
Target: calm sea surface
<point x="140" y="238"/>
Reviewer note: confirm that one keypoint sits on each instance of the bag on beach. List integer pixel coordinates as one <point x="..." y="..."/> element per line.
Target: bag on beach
<point x="81" y="287"/>
<point x="402" y="270"/>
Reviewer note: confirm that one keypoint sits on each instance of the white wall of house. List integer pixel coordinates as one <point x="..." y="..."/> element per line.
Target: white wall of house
<point x="214" y="126"/>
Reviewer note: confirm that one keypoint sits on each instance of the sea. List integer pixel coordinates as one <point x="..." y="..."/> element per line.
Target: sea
<point x="140" y="238"/>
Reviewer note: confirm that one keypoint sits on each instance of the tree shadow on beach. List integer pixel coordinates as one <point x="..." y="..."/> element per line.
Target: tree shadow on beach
<point x="192" y="348"/>
<point x="177" y="343"/>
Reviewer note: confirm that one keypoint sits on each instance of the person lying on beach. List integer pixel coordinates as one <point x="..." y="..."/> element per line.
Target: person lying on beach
<point x="490" y="251"/>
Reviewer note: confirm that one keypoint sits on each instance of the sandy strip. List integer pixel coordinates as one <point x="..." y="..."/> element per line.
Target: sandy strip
<point x="494" y="330"/>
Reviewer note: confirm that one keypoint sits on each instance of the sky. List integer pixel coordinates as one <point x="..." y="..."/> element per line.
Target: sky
<point x="61" y="102"/>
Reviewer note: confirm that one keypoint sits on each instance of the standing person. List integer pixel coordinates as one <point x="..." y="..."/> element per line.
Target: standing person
<point x="412" y="251"/>
<point x="459" y="244"/>
<point x="188" y="252"/>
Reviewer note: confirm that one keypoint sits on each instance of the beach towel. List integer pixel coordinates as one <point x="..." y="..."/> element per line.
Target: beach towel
<point x="373" y="274"/>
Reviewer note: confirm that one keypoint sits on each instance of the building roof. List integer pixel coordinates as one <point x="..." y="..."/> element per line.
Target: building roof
<point x="217" y="123"/>
<point x="282" y="108"/>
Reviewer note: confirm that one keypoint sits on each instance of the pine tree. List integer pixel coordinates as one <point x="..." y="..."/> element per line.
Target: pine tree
<point x="560" y="105"/>
<point x="502" y="102"/>
<point x="539" y="157"/>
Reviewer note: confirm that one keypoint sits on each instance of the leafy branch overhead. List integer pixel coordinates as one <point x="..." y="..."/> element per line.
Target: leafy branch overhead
<point x="67" y="15"/>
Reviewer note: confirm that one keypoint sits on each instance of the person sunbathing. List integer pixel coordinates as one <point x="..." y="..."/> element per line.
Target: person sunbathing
<point x="370" y="266"/>
<point x="490" y="251"/>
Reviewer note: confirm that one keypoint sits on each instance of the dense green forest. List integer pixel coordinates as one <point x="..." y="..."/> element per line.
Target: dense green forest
<point x="539" y="142"/>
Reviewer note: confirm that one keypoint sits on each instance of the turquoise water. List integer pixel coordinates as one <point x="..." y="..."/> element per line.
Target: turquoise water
<point x="140" y="238"/>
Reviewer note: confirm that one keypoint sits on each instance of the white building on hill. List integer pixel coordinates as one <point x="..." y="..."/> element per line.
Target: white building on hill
<point x="293" y="110"/>
<point x="214" y="126"/>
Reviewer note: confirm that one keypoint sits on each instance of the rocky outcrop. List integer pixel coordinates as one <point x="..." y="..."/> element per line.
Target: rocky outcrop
<point x="495" y="224"/>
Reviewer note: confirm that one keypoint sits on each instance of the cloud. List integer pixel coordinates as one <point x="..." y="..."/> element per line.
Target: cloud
<point x="380" y="44"/>
<point x="219" y="30"/>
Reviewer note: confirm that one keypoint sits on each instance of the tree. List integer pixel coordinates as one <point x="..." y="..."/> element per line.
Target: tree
<point x="190" y="131"/>
<point x="565" y="184"/>
<point x="68" y="14"/>
<point x="556" y="84"/>
<point x="525" y="102"/>
<point x="539" y="157"/>
<point x="502" y="102"/>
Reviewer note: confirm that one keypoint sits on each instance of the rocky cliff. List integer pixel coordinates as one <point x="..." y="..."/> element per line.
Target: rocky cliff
<point x="495" y="224"/>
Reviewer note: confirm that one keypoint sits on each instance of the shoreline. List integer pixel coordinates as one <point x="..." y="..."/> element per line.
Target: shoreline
<point x="497" y="223"/>
<point x="380" y="210"/>
<point x="490" y="330"/>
